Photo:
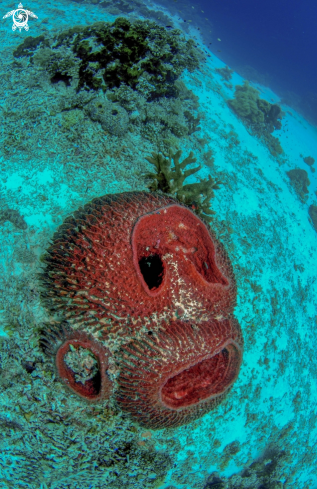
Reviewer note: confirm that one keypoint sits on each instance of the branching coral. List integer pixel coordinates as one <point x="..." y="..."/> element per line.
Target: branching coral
<point x="170" y="176"/>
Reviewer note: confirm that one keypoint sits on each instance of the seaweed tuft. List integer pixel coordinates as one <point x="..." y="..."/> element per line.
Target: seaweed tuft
<point x="169" y="178"/>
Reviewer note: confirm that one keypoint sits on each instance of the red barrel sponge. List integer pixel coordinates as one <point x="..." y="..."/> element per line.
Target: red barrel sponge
<point x="140" y="277"/>
<point x="137" y="258"/>
<point x="81" y="362"/>
<point x="179" y="374"/>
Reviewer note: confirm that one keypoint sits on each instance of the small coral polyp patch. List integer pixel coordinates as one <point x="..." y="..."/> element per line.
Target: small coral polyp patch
<point x="146" y="276"/>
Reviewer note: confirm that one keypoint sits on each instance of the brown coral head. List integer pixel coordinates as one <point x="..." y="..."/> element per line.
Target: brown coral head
<point x="179" y="374"/>
<point x="81" y="362"/>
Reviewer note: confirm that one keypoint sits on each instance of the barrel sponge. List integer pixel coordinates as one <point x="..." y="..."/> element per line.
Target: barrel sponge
<point x="112" y="117"/>
<point x="177" y="375"/>
<point x="128" y="259"/>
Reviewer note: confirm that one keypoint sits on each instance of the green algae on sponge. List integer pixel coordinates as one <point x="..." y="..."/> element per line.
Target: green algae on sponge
<point x="169" y="178"/>
<point x="258" y="114"/>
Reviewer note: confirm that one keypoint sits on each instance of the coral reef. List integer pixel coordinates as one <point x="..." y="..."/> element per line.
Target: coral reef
<point x="273" y="144"/>
<point x="170" y="180"/>
<point x="98" y="266"/>
<point x="135" y="65"/>
<point x="263" y="473"/>
<point x="255" y="111"/>
<point x="309" y="160"/>
<point x="141" y="275"/>
<point x="172" y="378"/>
<point x="225" y="73"/>
<point x="313" y="215"/>
<point x="14" y="217"/>
<point x="140" y="54"/>
<point x="258" y="114"/>
<point x="300" y="182"/>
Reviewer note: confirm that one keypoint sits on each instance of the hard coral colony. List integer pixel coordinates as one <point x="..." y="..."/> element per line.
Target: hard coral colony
<point x="138" y="280"/>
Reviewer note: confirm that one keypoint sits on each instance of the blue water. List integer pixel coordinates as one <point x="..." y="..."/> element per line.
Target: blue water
<point x="276" y="39"/>
<point x="243" y="110"/>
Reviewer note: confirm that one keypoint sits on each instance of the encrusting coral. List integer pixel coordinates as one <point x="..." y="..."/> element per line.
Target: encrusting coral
<point x="139" y="279"/>
<point x="170" y="176"/>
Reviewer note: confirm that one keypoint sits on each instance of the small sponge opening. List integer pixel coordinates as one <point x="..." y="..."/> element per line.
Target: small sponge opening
<point x="82" y="363"/>
<point x="152" y="270"/>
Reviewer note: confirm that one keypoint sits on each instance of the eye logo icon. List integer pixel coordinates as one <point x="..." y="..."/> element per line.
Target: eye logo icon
<point x="20" y="18"/>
